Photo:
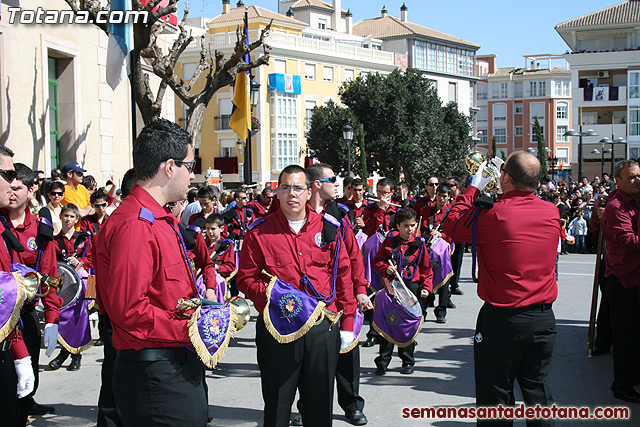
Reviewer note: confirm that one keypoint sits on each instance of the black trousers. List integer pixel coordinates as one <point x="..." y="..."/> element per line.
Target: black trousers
<point x="348" y="381"/>
<point x="444" y="295"/>
<point x="456" y="264"/>
<point x="31" y="337"/>
<point x="8" y="389"/>
<point x="625" y="321"/>
<point x="386" y="350"/>
<point x="163" y="393"/>
<point x="514" y="344"/>
<point x="604" y="334"/>
<point x="108" y="415"/>
<point x="308" y="363"/>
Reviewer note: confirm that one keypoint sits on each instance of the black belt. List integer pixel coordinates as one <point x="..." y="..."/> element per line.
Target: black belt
<point x="532" y="307"/>
<point x="156" y="354"/>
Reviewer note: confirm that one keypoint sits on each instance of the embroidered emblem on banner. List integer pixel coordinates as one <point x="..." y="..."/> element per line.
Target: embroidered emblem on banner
<point x="435" y="264"/>
<point x="213" y="329"/>
<point x="392" y="317"/>
<point x="290" y="305"/>
<point x="319" y="239"/>
<point x="478" y="337"/>
<point x="31" y="244"/>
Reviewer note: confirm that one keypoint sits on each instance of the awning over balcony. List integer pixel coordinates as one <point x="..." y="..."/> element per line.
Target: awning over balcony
<point x="287" y="83"/>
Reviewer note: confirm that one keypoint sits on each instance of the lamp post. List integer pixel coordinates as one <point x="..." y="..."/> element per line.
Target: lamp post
<point x="552" y="162"/>
<point x="347" y="134"/>
<point x="581" y="134"/>
<point x="618" y="140"/>
<point x="255" y="96"/>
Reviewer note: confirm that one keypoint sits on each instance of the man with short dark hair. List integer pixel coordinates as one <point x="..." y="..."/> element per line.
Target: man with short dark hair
<point x="516" y="328"/>
<point x="142" y="270"/>
<point x="346" y="190"/>
<point x="430" y="198"/>
<point x="208" y="199"/>
<point x="620" y="222"/>
<point x="261" y="207"/>
<point x="291" y="245"/>
<point x="74" y="191"/>
<point x="380" y="216"/>
<point x="458" y="252"/>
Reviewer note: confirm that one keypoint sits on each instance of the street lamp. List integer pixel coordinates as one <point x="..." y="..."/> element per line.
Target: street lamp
<point x="347" y="134"/>
<point x="552" y="162"/>
<point x="255" y="98"/>
<point x="618" y="140"/>
<point x="581" y="134"/>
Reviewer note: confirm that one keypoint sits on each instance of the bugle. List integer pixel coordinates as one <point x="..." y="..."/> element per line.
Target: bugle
<point x="473" y="161"/>
<point x="372" y="198"/>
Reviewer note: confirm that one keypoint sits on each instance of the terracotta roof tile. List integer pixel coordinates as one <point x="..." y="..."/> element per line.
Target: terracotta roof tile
<point x="254" y="12"/>
<point x="627" y="12"/>
<point x="390" y="26"/>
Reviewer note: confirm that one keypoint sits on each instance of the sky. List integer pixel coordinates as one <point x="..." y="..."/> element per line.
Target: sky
<point x="509" y="29"/>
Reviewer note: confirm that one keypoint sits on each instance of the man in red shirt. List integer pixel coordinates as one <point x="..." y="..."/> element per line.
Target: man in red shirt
<point x="92" y="223"/>
<point x="381" y="214"/>
<point x="357" y="204"/>
<point x="261" y="207"/>
<point x="432" y="217"/>
<point x="516" y="327"/>
<point x="290" y="245"/>
<point x="15" y="362"/>
<point x="458" y="253"/>
<point x="39" y="254"/>
<point x="620" y="224"/>
<point x="430" y="198"/>
<point x="142" y="271"/>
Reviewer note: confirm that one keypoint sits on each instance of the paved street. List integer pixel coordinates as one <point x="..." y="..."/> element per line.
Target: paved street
<point x="443" y="375"/>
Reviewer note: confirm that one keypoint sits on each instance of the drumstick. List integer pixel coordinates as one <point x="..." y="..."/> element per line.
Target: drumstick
<point x="369" y="297"/>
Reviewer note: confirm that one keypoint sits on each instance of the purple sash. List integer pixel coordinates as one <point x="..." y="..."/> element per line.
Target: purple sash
<point x="210" y="329"/>
<point x="369" y="251"/>
<point x="440" y="263"/>
<point x="11" y="299"/>
<point x="289" y="313"/>
<point x="221" y="288"/>
<point x="358" y="321"/>
<point x="74" y="332"/>
<point x="394" y="322"/>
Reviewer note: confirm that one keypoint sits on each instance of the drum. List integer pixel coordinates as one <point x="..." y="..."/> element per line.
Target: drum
<point x="406" y="298"/>
<point x="71" y="287"/>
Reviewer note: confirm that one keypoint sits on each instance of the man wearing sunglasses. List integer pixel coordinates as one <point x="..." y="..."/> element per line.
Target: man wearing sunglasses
<point x="261" y="207"/>
<point x="39" y="254"/>
<point x="93" y="222"/>
<point x="142" y="271"/>
<point x="16" y="372"/>
<point x="74" y="191"/>
<point x="430" y="199"/>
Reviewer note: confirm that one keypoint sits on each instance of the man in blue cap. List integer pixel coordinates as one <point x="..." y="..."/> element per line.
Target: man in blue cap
<point x="74" y="191"/>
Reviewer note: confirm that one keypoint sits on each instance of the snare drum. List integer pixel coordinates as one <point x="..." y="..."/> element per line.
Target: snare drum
<point x="71" y="284"/>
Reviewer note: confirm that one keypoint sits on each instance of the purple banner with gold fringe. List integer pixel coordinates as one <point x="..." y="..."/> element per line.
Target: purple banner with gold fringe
<point x="74" y="331"/>
<point x="440" y="255"/>
<point x="11" y="299"/>
<point x="369" y="251"/>
<point x="394" y="322"/>
<point x="210" y="329"/>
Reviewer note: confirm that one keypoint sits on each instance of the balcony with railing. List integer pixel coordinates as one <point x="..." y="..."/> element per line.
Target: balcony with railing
<point x="606" y="96"/>
<point x="299" y="44"/>
<point x="222" y="122"/>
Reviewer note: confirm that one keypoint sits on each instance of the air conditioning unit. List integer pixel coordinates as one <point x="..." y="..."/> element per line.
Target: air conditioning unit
<point x="603" y="74"/>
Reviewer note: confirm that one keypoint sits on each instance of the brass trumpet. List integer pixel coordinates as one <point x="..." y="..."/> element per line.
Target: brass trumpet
<point x="242" y="308"/>
<point x="473" y="161"/>
<point x="33" y="281"/>
<point x="334" y="318"/>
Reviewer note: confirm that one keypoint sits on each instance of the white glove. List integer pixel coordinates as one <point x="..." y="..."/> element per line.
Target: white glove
<point x="26" y="379"/>
<point x="50" y="337"/>
<point x="478" y="180"/>
<point x="346" y="338"/>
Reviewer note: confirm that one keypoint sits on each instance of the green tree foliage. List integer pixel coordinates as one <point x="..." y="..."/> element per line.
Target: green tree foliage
<point x="542" y="146"/>
<point x="406" y="128"/>
<point x="494" y="146"/>
<point x="364" y="174"/>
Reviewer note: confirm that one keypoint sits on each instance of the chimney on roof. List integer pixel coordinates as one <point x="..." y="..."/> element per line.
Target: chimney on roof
<point x="240" y="4"/>
<point x="403" y="12"/>
<point x="226" y="6"/>
<point x="336" y="17"/>
<point x="383" y="12"/>
<point x="290" y="13"/>
<point x="349" y="17"/>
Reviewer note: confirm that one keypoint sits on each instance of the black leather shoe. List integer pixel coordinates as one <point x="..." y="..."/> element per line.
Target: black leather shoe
<point x="296" y="421"/>
<point x="599" y="351"/>
<point x="407" y="370"/>
<point x="356" y="418"/>
<point x="370" y="342"/>
<point x="98" y="343"/>
<point x="38" y="409"/>
<point x="456" y="291"/>
<point x="441" y="319"/>
<point x="450" y="304"/>
<point x="75" y="363"/>
<point x="628" y="395"/>
<point x="56" y="363"/>
<point x="380" y="371"/>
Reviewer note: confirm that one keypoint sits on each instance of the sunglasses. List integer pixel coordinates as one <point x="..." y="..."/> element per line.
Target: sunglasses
<point x="79" y="173"/>
<point x="100" y="205"/>
<point x="432" y="184"/>
<point x="190" y="165"/>
<point x="331" y="179"/>
<point x="8" y="174"/>
<point x="56" y="193"/>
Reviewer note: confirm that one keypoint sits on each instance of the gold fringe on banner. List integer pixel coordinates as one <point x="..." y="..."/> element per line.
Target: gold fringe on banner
<point x="210" y="360"/>
<point x="74" y="350"/>
<point x="353" y="345"/>
<point x="8" y="327"/>
<point x="284" y="339"/>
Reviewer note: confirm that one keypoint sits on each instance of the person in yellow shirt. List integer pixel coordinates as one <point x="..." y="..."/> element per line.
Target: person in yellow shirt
<point x="74" y="191"/>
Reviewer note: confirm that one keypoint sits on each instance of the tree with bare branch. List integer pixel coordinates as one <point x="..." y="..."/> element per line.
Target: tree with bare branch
<point x="218" y="70"/>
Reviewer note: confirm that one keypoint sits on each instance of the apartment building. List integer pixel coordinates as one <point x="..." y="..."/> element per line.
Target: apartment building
<point x="605" y="61"/>
<point x="510" y="99"/>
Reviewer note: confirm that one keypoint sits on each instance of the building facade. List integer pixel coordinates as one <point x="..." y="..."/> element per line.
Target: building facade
<point x="511" y="99"/>
<point x="605" y="64"/>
